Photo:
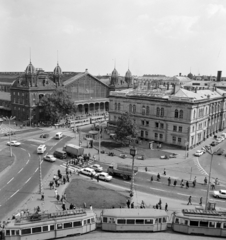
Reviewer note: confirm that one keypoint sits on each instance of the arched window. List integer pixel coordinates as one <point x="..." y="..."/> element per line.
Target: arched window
<point x="130" y="108"/>
<point x="134" y="108"/>
<point x="162" y="112"/>
<point x="143" y="110"/>
<point x="194" y="114"/>
<point x="176" y="113"/>
<point x="116" y="106"/>
<point x="157" y="111"/>
<point x="181" y="115"/>
<point x="147" y="110"/>
<point x="119" y="107"/>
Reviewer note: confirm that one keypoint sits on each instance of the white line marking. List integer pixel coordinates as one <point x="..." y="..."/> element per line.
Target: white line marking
<point x="20" y="170"/>
<point x="23" y="149"/>
<point x="36" y="170"/>
<point x="14" y="193"/>
<point x="29" y="154"/>
<point x="200" y="167"/>
<point x="203" y="190"/>
<point x="10" y="180"/>
<point x="27" y="161"/>
<point x="183" y="194"/>
<point x="50" y="149"/>
<point x="158" y="189"/>
<point x="28" y="180"/>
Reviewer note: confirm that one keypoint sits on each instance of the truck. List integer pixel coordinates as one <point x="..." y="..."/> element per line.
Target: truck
<point x="73" y="150"/>
<point x="121" y="170"/>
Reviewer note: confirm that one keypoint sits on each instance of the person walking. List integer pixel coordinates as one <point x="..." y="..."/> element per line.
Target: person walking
<point x="43" y="196"/>
<point x="187" y="184"/>
<point x="169" y="181"/>
<point x="194" y="182"/>
<point x="158" y="177"/>
<point x="132" y="205"/>
<point x="56" y="192"/>
<point x="164" y="172"/>
<point x="182" y="183"/>
<point x="91" y="208"/>
<point x="146" y="169"/>
<point x="160" y="203"/>
<point x="175" y="183"/>
<point x="189" y="201"/>
<point x="200" y="201"/>
<point x="166" y="207"/>
<point x="151" y="179"/>
<point x="128" y="203"/>
<point x="205" y="180"/>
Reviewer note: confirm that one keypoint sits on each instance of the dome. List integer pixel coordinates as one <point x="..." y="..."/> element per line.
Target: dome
<point x="190" y="75"/>
<point x="114" y="73"/>
<point x="128" y="74"/>
<point x="30" y="69"/>
<point x="57" y="70"/>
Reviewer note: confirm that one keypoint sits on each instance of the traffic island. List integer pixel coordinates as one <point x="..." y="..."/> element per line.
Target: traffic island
<point x="5" y="161"/>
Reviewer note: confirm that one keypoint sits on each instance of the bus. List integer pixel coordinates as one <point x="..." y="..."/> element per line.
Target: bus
<point x="79" y="122"/>
<point x="49" y="225"/>
<point x="98" y="119"/>
<point x="134" y="219"/>
<point x="212" y="223"/>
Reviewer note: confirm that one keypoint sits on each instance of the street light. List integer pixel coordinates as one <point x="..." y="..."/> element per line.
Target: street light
<point x="9" y="119"/>
<point x="133" y="152"/>
<point x="40" y="176"/>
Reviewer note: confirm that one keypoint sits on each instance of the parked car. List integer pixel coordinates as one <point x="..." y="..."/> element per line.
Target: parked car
<point x="219" y="194"/>
<point x="97" y="167"/>
<point x="49" y="158"/>
<point x="9" y="133"/>
<point x="88" y="171"/>
<point x="213" y="143"/>
<point x="220" y="151"/>
<point x="173" y="155"/>
<point x="104" y="176"/>
<point x="46" y="135"/>
<point x="164" y="157"/>
<point x="219" y="140"/>
<point x="14" y="143"/>
<point x="198" y="153"/>
<point x="122" y="155"/>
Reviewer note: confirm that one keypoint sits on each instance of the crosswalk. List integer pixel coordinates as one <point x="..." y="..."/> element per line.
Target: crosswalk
<point x="74" y="168"/>
<point x="200" y="168"/>
<point x="4" y="128"/>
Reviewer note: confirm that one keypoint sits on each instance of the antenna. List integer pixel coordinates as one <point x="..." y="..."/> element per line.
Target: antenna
<point x="57" y="58"/>
<point x="30" y="55"/>
<point x="115" y="62"/>
<point x="128" y="63"/>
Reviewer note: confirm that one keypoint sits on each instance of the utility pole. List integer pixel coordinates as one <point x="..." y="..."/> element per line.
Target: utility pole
<point x="40" y="175"/>
<point x="133" y="153"/>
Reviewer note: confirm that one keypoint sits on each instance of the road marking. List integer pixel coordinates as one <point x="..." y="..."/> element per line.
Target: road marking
<point x="36" y="170"/>
<point x="10" y="180"/>
<point x="183" y="194"/>
<point x="20" y="170"/>
<point x="201" y="169"/>
<point x="28" y="180"/>
<point x="203" y="190"/>
<point x="158" y="189"/>
<point x="14" y="193"/>
<point x="50" y="149"/>
<point x="27" y="161"/>
<point x="29" y="154"/>
<point x="23" y="149"/>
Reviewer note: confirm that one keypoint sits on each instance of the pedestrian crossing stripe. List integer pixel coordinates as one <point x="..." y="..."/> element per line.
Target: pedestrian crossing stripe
<point x="196" y="161"/>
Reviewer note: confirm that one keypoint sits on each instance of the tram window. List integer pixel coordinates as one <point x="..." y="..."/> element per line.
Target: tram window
<point x="59" y="226"/>
<point x="139" y="221"/>
<point x="186" y="222"/>
<point x="224" y="225"/>
<point x="45" y="228"/>
<point x="88" y="220"/>
<point x="121" y="221"/>
<point x="149" y="221"/>
<point x="164" y="220"/>
<point x="211" y="224"/>
<point x="7" y="233"/>
<point x="85" y="222"/>
<point x="130" y="221"/>
<point x="68" y="225"/>
<point x="76" y="224"/>
<point x="156" y="220"/>
<point x="26" y="231"/>
<point x="92" y="220"/>
<point x="218" y="225"/>
<point x="160" y="220"/>
<point x="17" y="232"/>
<point x="203" y="224"/>
<point x="36" y="229"/>
<point x="52" y="227"/>
<point x="12" y="232"/>
<point x="194" y="223"/>
<point x="176" y="220"/>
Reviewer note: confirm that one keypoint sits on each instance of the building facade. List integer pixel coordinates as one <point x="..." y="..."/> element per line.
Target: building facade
<point x="170" y="114"/>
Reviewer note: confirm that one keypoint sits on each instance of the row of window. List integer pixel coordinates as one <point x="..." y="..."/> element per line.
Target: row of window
<point x="47" y="228"/>
<point x="177" y="128"/>
<point x="193" y="223"/>
<point x="135" y="221"/>
<point x="175" y="139"/>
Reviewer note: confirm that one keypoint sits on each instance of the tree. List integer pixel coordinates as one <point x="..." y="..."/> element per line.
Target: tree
<point x="126" y="129"/>
<point x="56" y="106"/>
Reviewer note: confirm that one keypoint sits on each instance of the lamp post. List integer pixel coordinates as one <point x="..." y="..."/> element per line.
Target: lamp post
<point x="99" y="142"/>
<point x="9" y="119"/>
<point x="40" y="175"/>
<point x="133" y="152"/>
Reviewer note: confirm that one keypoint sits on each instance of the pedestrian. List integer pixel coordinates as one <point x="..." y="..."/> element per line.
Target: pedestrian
<point x="189" y="201"/>
<point x="212" y="186"/>
<point x="200" y="201"/>
<point x="157" y="206"/>
<point x="164" y="172"/>
<point x="182" y="183"/>
<point x="205" y="180"/>
<point x="42" y="198"/>
<point x="146" y="169"/>
<point x="63" y="206"/>
<point x="187" y="184"/>
<point x="151" y="179"/>
<point x="91" y="208"/>
<point x="56" y="192"/>
<point x="194" y="182"/>
<point x="160" y="203"/>
<point x="175" y="183"/>
<point x="128" y="203"/>
<point x="166" y="207"/>
<point x="68" y="178"/>
<point x="84" y="205"/>
<point x="64" y="180"/>
<point x="169" y="181"/>
<point x="158" y="177"/>
<point x="58" y="197"/>
<point x="132" y="205"/>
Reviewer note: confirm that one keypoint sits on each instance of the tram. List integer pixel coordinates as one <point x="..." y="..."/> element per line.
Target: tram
<point x="50" y="225"/>
<point x="134" y="220"/>
<point x="98" y="119"/>
<point x="211" y="223"/>
<point x="80" y="122"/>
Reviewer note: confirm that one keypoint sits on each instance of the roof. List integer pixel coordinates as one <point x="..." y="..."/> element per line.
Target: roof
<point x="134" y="212"/>
<point x="182" y="79"/>
<point x="5" y="96"/>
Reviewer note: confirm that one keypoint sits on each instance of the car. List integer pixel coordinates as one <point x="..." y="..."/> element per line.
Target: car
<point x="49" y="158"/>
<point x="198" y="153"/>
<point x="220" y="151"/>
<point x="122" y="155"/>
<point x="88" y="171"/>
<point x="14" y="143"/>
<point x="104" y="176"/>
<point x="219" y="194"/>
<point x="213" y="143"/>
<point x="9" y="133"/>
<point x="41" y="148"/>
<point x="219" y="140"/>
<point x="46" y="135"/>
<point x="97" y="167"/>
<point x="41" y="136"/>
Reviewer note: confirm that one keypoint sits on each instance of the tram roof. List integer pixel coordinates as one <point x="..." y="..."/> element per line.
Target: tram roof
<point x="133" y="212"/>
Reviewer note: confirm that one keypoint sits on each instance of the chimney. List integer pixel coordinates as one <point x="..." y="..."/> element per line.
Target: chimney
<point x="86" y="70"/>
<point x="219" y="76"/>
<point x="179" y="74"/>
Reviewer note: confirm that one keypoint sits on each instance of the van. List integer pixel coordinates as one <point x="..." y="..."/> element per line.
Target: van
<point x="41" y="149"/>
<point x="60" y="154"/>
<point x="223" y="135"/>
<point x="59" y="135"/>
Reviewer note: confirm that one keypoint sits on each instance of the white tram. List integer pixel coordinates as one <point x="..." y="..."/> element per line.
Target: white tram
<point x="50" y="226"/>
<point x="80" y="122"/>
<point x="98" y="119"/>
<point x="134" y="220"/>
<point x="212" y="223"/>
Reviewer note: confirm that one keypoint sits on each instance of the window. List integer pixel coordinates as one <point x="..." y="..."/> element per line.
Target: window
<point x="92" y="220"/>
<point x="147" y="110"/>
<point x="26" y="231"/>
<point x="134" y="108"/>
<point x="52" y="227"/>
<point x="88" y="221"/>
<point x="115" y="106"/>
<point x="176" y="113"/>
<point x="119" y="107"/>
<point x="211" y="224"/>
<point x="68" y="225"/>
<point x="174" y="128"/>
<point x="148" y="221"/>
<point x="59" y="226"/>
<point x="180" y="129"/>
<point x="139" y="221"/>
<point x="121" y="221"/>
<point x="181" y="115"/>
<point x="156" y="135"/>
<point x="203" y="224"/>
<point x="176" y="220"/>
<point x="13" y="232"/>
<point x="36" y="229"/>
<point x="174" y="139"/>
<point x="79" y="223"/>
<point x="162" y="112"/>
<point x="104" y="220"/>
<point x="142" y="122"/>
<point x="130" y="108"/>
<point x="179" y="140"/>
<point x="147" y="123"/>
<point x="218" y="225"/>
<point x="130" y="221"/>
<point x="146" y="134"/>
<point x="160" y="136"/>
<point x="194" y="223"/>
<point x="157" y="111"/>
<point x="156" y="124"/>
<point x="160" y="220"/>
<point x="45" y="228"/>
<point x="143" y="110"/>
<point x="224" y="225"/>
<point x="161" y="125"/>
<point x="164" y="220"/>
<point x="7" y="233"/>
<point x="85" y="222"/>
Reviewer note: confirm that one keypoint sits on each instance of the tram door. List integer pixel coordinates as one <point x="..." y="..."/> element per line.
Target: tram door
<point x="158" y="223"/>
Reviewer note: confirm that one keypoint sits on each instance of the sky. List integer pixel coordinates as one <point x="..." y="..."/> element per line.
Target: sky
<point x="147" y="36"/>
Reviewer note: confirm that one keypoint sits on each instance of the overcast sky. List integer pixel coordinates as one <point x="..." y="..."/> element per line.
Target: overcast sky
<point x="153" y="36"/>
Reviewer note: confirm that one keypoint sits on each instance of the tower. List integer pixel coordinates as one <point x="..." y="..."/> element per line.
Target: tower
<point x="128" y="78"/>
<point x="30" y="74"/>
<point x="57" y="73"/>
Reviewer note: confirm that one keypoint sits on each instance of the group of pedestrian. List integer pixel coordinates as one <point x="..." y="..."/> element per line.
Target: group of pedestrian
<point x="129" y="204"/>
<point x="159" y="205"/>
